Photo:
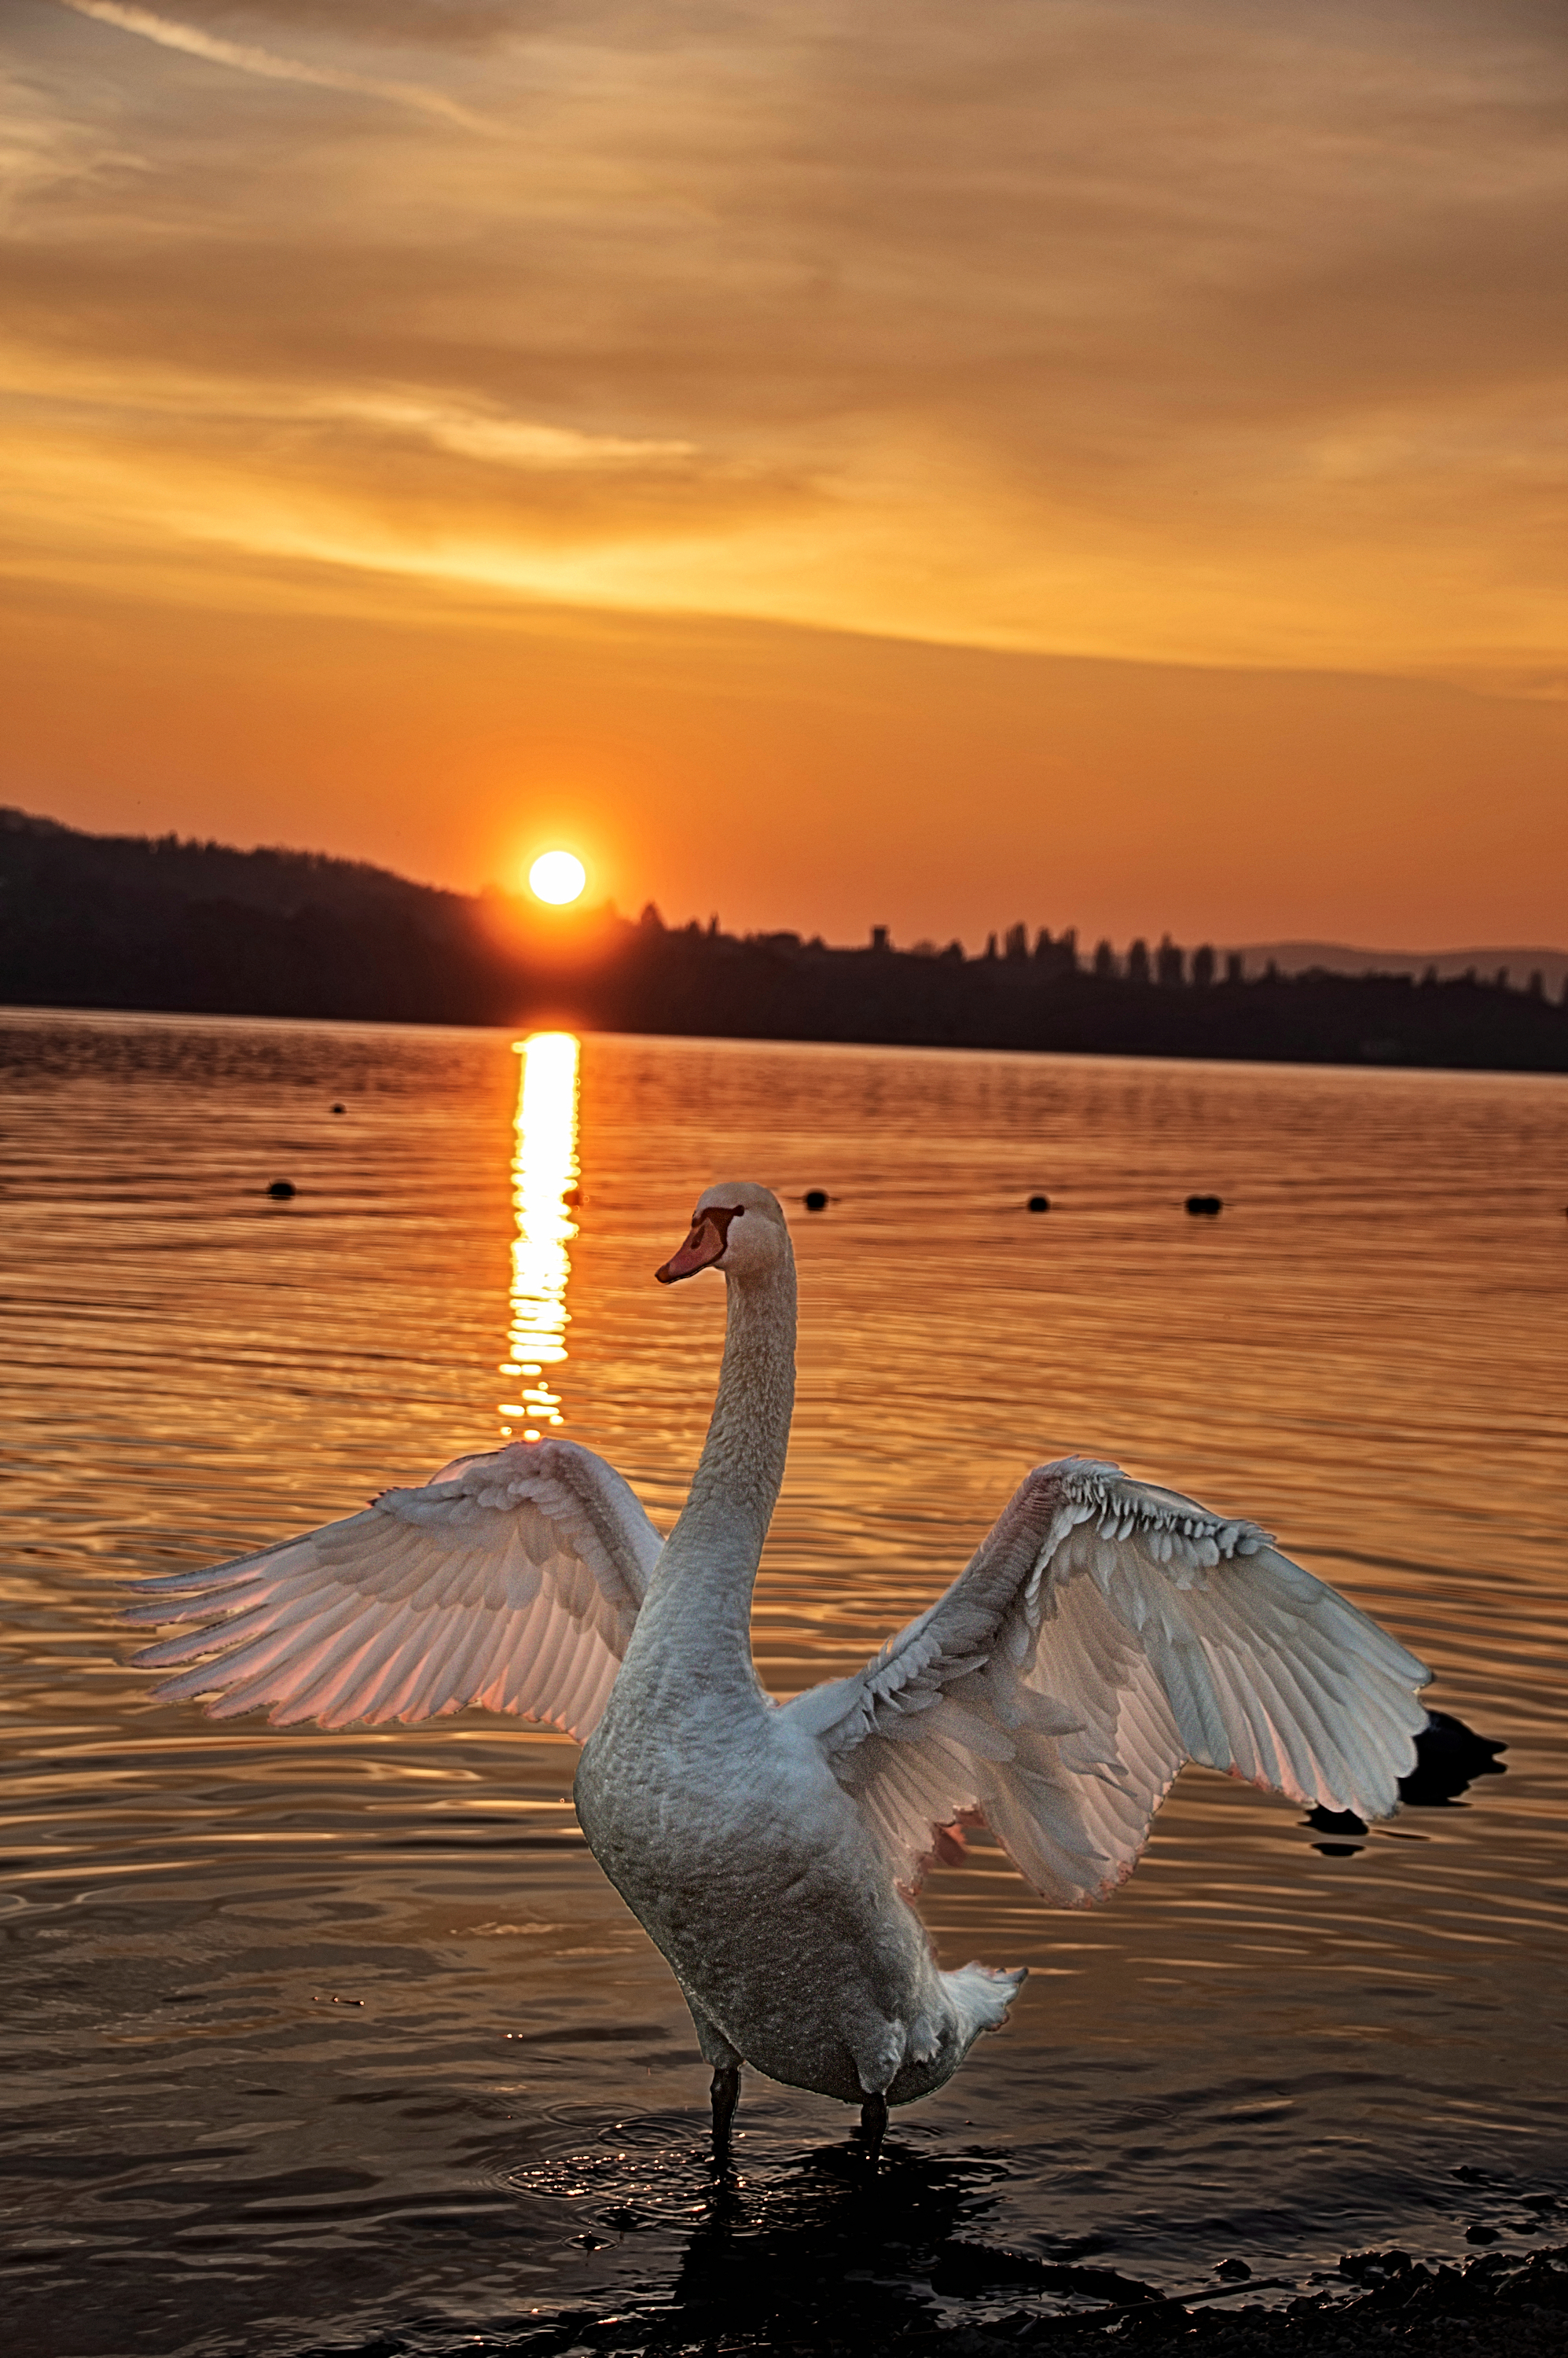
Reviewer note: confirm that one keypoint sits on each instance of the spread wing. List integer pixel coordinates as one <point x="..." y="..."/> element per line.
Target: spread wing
<point x="511" y="1580"/>
<point x="1106" y="1632"/>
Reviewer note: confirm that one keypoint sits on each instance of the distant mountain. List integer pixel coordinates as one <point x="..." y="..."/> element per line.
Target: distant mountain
<point x="158" y="924"/>
<point x="1338" y="958"/>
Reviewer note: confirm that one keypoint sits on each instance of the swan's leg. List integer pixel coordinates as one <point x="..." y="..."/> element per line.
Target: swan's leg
<point x="873" y="2125"/>
<point x="726" y="2062"/>
<point x="726" y="2096"/>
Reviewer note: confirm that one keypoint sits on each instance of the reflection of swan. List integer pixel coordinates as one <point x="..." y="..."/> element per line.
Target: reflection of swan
<point x="1104" y="1633"/>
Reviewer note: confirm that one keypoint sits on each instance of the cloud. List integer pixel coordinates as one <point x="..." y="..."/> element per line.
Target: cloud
<point x="497" y="439"/>
<point x="245" y="57"/>
<point x="437" y="25"/>
<point x="1206" y="332"/>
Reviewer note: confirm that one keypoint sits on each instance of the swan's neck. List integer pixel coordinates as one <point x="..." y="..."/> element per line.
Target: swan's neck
<point x="710" y="1562"/>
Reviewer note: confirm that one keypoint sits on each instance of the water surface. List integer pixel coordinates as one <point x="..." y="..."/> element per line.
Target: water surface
<point x="317" y="2040"/>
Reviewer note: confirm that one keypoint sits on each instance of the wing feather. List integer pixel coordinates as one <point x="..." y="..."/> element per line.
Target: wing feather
<point x="513" y="1578"/>
<point x="1107" y="1631"/>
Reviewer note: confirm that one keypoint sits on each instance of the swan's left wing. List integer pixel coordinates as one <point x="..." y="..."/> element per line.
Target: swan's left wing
<point x="511" y="1580"/>
<point x="1104" y="1633"/>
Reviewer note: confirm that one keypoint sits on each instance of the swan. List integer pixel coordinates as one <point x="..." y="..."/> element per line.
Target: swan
<point x="1105" y="1632"/>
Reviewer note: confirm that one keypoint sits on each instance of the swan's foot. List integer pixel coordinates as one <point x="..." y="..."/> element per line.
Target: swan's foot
<point x="873" y="2125"/>
<point x="726" y="2096"/>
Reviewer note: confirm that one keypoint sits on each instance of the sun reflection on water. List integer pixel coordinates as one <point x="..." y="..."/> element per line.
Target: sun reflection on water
<point x="544" y="1188"/>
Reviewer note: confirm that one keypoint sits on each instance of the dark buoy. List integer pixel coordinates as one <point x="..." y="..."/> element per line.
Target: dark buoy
<point x="1449" y="1757"/>
<point x="816" y="1199"/>
<point x="1204" y="1208"/>
<point x="280" y="1190"/>
<point x="1345" y="1823"/>
<point x="1038" y="1204"/>
<point x="340" y="1108"/>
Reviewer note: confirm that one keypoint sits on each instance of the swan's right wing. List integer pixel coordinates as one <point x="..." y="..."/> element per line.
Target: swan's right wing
<point x="1106" y="1632"/>
<point x="511" y="1580"/>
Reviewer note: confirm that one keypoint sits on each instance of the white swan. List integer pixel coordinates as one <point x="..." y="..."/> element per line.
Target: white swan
<point x="1105" y="1632"/>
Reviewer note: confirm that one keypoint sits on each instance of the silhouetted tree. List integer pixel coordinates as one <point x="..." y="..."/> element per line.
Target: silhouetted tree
<point x="1203" y="967"/>
<point x="1235" y="967"/>
<point x="1016" y="943"/>
<point x="1106" y="967"/>
<point x="1056" y="960"/>
<point x="1168" y="964"/>
<point x="1138" y="961"/>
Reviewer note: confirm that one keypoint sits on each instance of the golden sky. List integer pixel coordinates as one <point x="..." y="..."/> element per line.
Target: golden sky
<point x="1090" y="460"/>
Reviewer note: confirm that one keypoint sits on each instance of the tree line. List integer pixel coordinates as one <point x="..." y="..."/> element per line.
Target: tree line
<point x="172" y="926"/>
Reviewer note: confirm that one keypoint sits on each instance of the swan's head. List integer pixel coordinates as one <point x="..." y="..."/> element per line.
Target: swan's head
<point x="737" y="1228"/>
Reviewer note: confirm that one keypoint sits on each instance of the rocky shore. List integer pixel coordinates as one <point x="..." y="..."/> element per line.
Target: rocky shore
<point x="1498" y="2305"/>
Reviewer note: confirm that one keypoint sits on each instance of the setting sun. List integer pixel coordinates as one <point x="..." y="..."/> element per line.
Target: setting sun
<point x="557" y="877"/>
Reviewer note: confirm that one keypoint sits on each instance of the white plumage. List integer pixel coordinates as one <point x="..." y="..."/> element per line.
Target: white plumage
<point x="1105" y="1632"/>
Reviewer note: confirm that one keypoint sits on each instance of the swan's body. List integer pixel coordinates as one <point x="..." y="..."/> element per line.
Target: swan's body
<point x="1104" y="1633"/>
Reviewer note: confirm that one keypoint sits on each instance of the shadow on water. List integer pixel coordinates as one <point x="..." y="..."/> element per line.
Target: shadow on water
<point x="831" y="2253"/>
<point x="828" y="2251"/>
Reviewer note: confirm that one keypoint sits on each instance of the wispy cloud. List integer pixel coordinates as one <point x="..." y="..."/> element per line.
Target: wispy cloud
<point x="243" y="56"/>
<point x="499" y="441"/>
<point x="1179" y="333"/>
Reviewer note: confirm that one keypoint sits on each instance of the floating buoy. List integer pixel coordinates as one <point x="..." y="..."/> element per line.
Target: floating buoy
<point x="1038" y="1204"/>
<point x="340" y="1108"/>
<point x="816" y="1199"/>
<point x="1204" y="1208"/>
<point x="280" y="1190"/>
<point x="1336" y="1821"/>
<point x="1449" y="1757"/>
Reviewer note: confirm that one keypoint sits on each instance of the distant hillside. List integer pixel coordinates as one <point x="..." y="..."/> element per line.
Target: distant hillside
<point x="1338" y="958"/>
<point x="125" y="921"/>
<point x="129" y="921"/>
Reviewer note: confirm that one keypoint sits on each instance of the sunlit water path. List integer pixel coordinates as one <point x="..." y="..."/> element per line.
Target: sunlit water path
<point x="321" y="2039"/>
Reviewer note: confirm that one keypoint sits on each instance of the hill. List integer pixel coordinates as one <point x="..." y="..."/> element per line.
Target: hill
<point x="1515" y="965"/>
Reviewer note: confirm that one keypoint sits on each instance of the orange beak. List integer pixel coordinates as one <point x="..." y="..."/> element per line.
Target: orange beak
<point x="700" y="1250"/>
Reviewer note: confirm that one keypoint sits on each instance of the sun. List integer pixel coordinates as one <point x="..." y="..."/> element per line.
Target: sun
<point x="557" y="877"/>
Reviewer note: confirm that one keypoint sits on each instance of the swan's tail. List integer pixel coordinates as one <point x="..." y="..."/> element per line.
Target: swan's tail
<point x="979" y="1997"/>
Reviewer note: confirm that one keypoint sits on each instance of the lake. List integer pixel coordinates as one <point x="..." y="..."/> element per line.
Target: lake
<point x="341" y="2042"/>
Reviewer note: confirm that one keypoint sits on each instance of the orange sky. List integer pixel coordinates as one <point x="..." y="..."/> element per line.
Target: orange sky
<point x="1099" y="461"/>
